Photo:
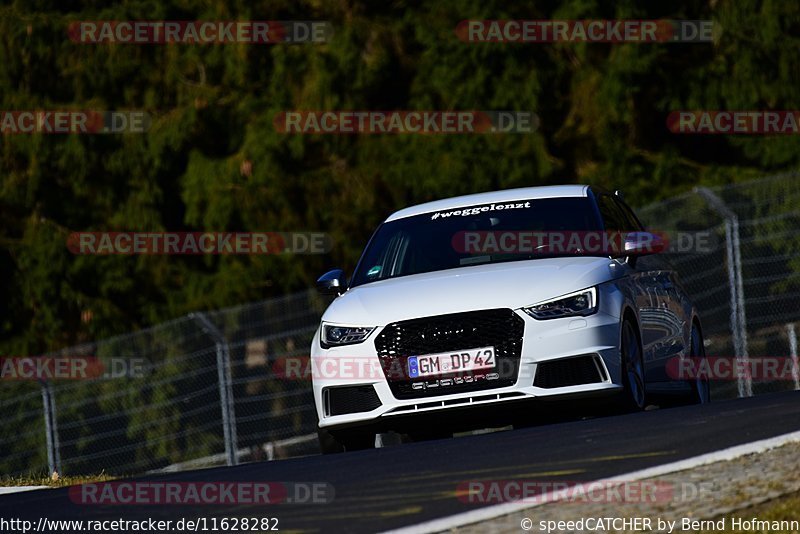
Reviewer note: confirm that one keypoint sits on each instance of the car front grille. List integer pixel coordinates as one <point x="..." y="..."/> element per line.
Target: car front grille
<point x="499" y="328"/>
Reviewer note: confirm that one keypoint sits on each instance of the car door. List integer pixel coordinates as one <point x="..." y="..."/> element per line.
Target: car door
<point x="643" y="286"/>
<point x="676" y="306"/>
<point x="661" y="310"/>
<point x="647" y="292"/>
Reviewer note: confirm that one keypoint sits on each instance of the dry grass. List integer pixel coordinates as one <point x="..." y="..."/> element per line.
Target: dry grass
<point x="785" y="508"/>
<point x="54" y="480"/>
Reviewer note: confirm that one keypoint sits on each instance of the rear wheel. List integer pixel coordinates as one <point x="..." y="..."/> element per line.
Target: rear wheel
<point x="701" y="385"/>
<point x="634" y="395"/>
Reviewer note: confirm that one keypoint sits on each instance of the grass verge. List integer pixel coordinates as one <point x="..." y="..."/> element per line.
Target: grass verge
<point x="54" y="481"/>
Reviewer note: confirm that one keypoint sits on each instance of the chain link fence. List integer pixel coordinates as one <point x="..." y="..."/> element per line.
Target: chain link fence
<point x="206" y="389"/>
<point x="745" y="279"/>
<point x="210" y="389"/>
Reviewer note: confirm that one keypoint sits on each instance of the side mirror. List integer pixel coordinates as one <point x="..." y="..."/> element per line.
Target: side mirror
<point x="332" y="283"/>
<point x="642" y="244"/>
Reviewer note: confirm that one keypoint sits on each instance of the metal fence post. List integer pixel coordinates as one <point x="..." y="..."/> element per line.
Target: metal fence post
<point x="737" y="258"/>
<point x="51" y="428"/>
<point x="738" y="319"/>
<point x="225" y="387"/>
<point x="790" y="331"/>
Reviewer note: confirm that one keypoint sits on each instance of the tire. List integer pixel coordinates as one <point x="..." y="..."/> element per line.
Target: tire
<point x="345" y="440"/>
<point x="634" y="393"/>
<point x="429" y="434"/>
<point x="701" y="385"/>
<point x="327" y="443"/>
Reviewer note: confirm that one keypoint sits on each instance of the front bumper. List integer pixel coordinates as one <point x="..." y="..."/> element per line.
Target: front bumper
<point x="543" y="342"/>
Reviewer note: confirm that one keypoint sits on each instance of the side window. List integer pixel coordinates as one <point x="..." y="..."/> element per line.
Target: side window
<point x="631" y="221"/>
<point x="392" y="258"/>
<point x="613" y="217"/>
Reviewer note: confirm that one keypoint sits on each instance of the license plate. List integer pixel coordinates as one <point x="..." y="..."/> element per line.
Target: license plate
<point x="451" y="362"/>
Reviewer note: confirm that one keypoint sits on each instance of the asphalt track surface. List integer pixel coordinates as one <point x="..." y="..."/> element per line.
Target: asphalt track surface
<point x="387" y="488"/>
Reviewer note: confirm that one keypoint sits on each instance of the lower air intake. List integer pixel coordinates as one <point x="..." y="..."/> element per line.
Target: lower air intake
<point x="569" y="372"/>
<point x="351" y="399"/>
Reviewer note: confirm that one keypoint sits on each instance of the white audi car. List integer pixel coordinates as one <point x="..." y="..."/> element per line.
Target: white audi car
<point x="462" y="312"/>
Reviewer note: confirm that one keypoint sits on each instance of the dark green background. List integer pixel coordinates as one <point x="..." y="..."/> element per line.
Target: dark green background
<point x="603" y="110"/>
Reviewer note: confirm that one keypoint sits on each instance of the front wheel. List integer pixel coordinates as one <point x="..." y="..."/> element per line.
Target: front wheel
<point x="701" y="385"/>
<point x="634" y="394"/>
<point x="333" y="442"/>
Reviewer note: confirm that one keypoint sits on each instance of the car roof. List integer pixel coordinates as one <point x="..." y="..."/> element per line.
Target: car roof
<point x="505" y="195"/>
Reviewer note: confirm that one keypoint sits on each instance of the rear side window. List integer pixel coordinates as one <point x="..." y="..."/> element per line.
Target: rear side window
<point x="613" y="217"/>
<point x="630" y="218"/>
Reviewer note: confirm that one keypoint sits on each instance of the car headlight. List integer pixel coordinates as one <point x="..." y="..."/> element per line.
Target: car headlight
<point x="336" y="336"/>
<point x="580" y="303"/>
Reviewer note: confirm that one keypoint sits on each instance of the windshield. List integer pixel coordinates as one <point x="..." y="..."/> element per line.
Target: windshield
<point x="457" y="237"/>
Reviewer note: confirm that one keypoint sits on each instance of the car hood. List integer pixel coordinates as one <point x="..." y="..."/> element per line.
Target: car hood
<point x="500" y="285"/>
